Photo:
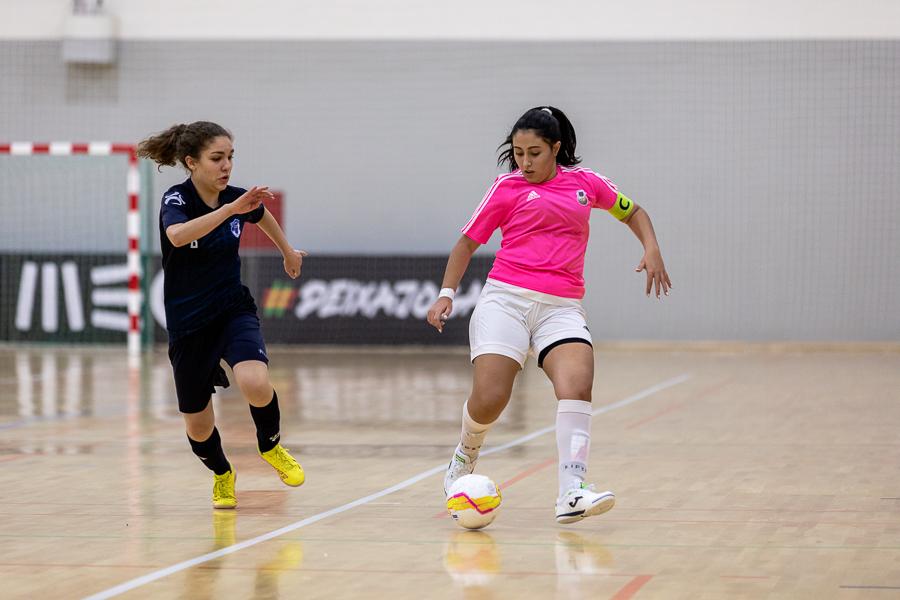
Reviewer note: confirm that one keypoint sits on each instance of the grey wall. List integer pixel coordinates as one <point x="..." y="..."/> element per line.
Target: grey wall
<point x="771" y="169"/>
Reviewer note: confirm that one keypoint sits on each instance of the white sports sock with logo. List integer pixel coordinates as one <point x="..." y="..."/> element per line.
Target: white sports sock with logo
<point x="472" y="434"/>
<point x="573" y="440"/>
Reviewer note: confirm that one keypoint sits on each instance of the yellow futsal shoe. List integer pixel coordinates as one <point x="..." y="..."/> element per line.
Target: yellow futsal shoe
<point x="223" y="490"/>
<point x="289" y="470"/>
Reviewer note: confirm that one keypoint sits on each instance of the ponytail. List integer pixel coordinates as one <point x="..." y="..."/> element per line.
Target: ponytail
<point x="161" y="148"/>
<point x="178" y="142"/>
<point x="551" y="124"/>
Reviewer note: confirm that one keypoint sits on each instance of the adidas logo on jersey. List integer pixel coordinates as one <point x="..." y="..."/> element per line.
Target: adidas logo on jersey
<point x="532" y="195"/>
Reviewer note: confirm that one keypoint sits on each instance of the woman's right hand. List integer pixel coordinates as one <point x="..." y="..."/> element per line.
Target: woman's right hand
<point x="251" y="199"/>
<point x="439" y="313"/>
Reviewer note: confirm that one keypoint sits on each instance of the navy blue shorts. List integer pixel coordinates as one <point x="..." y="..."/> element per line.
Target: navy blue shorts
<point x="195" y="357"/>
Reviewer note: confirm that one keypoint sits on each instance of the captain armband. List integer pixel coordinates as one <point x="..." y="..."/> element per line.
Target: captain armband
<point x="623" y="208"/>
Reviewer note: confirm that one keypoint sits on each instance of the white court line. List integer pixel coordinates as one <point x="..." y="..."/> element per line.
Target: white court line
<point x="150" y="577"/>
<point x="602" y="410"/>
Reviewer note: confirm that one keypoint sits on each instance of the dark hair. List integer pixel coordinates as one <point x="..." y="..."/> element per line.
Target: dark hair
<point x="551" y="124"/>
<point x="180" y="141"/>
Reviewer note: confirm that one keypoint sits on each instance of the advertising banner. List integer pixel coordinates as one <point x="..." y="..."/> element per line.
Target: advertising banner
<point x="342" y="300"/>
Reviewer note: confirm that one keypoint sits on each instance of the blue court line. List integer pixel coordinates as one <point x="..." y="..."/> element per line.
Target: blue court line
<point x="33" y="420"/>
<point x="870" y="587"/>
<point x="38" y="419"/>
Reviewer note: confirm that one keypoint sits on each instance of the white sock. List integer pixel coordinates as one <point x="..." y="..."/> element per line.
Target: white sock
<point x="573" y="440"/>
<point x="472" y="434"/>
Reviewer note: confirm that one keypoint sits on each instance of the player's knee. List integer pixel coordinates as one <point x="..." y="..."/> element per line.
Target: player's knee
<point x="199" y="426"/>
<point x="574" y="391"/>
<point x="255" y="386"/>
<point x="490" y="396"/>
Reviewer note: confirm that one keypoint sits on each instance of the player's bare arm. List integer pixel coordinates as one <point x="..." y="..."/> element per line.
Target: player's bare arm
<point x="293" y="258"/>
<point x="456" y="267"/>
<point x="652" y="261"/>
<point x="181" y="234"/>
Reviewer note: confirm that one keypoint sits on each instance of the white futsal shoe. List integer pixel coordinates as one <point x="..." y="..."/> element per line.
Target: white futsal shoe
<point x="582" y="502"/>
<point x="459" y="465"/>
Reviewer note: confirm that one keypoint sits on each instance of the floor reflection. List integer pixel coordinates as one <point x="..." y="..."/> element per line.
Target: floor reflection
<point x="410" y="389"/>
<point x="289" y="557"/>
<point x="47" y="385"/>
<point x="279" y="558"/>
<point x="352" y="388"/>
<point x="379" y="388"/>
<point x="577" y="558"/>
<point x="472" y="559"/>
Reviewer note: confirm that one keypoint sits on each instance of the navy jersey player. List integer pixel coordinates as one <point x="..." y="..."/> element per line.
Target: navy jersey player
<point x="210" y="314"/>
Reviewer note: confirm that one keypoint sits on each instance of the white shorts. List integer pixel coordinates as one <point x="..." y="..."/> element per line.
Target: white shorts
<point x="510" y="321"/>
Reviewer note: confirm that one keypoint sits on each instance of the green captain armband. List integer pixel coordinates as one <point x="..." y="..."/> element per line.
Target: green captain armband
<point x="623" y="207"/>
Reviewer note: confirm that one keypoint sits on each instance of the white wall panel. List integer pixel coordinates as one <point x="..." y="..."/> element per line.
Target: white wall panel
<point x="771" y="169"/>
<point x="471" y="19"/>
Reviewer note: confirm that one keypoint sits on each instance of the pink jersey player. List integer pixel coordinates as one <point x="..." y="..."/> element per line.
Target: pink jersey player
<point x="531" y="301"/>
<point x="545" y="227"/>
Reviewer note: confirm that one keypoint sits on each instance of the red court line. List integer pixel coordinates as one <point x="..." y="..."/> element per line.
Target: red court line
<point x="661" y="413"/>
<point x="542" y="465"/>
<point x="12" y="514"/>
<point x="529" y="471"/>
<point x="632" y="587"/>
<point x="514" y="479"/>
<point x="74" y="565"/>
<point x="674" y="407"/>
<point x="713" y="510"/>
<point x="197" y="511"/>
<point x="755" y="522"/>
<point x="298" y="568"/>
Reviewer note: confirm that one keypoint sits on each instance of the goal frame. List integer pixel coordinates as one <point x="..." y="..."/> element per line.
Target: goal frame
<point x="132" y="222"/>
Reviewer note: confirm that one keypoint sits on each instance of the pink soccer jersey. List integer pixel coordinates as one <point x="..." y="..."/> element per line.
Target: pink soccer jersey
<point x="544" y="226"/>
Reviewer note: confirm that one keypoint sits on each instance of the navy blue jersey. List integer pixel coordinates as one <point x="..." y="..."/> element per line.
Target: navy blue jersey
<point x="203" y="277"/>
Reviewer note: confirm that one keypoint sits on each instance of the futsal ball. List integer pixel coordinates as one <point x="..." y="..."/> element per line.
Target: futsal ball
<point x="473" y="501"/>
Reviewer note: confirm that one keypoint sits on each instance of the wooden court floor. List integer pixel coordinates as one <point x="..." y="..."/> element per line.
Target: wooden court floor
<point x="740" y="473"/>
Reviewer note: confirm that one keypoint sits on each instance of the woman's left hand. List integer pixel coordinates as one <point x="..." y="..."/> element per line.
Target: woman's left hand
<point x="656" y="272"/>
<point x="293" y="261"/>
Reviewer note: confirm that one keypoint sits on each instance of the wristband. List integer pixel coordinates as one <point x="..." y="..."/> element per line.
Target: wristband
<point x="447" y="293"/>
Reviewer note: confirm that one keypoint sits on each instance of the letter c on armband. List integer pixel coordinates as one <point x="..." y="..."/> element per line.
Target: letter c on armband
<point x="623" y="207"/>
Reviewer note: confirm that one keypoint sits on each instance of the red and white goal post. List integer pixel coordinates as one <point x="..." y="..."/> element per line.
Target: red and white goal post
<point x="132" y="224"/>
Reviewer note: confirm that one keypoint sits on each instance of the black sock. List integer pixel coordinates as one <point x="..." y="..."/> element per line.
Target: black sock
<point x="211" y="454"/>
<point x="268" y="423"/>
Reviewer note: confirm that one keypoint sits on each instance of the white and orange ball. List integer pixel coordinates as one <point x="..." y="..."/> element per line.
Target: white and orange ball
<point x="473" y="501"/>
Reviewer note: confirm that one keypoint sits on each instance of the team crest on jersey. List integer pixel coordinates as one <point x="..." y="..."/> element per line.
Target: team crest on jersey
<point x="236" y="228"/>
<point x="582" y="198"/>
<point x="174" y="199"/>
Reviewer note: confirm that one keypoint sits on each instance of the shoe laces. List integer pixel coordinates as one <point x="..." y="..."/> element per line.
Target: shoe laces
<point x="220" y="488"/>
<point x="284" y="460"/>
<point x="573" y="490"/>
<point x="462" y="466"/>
